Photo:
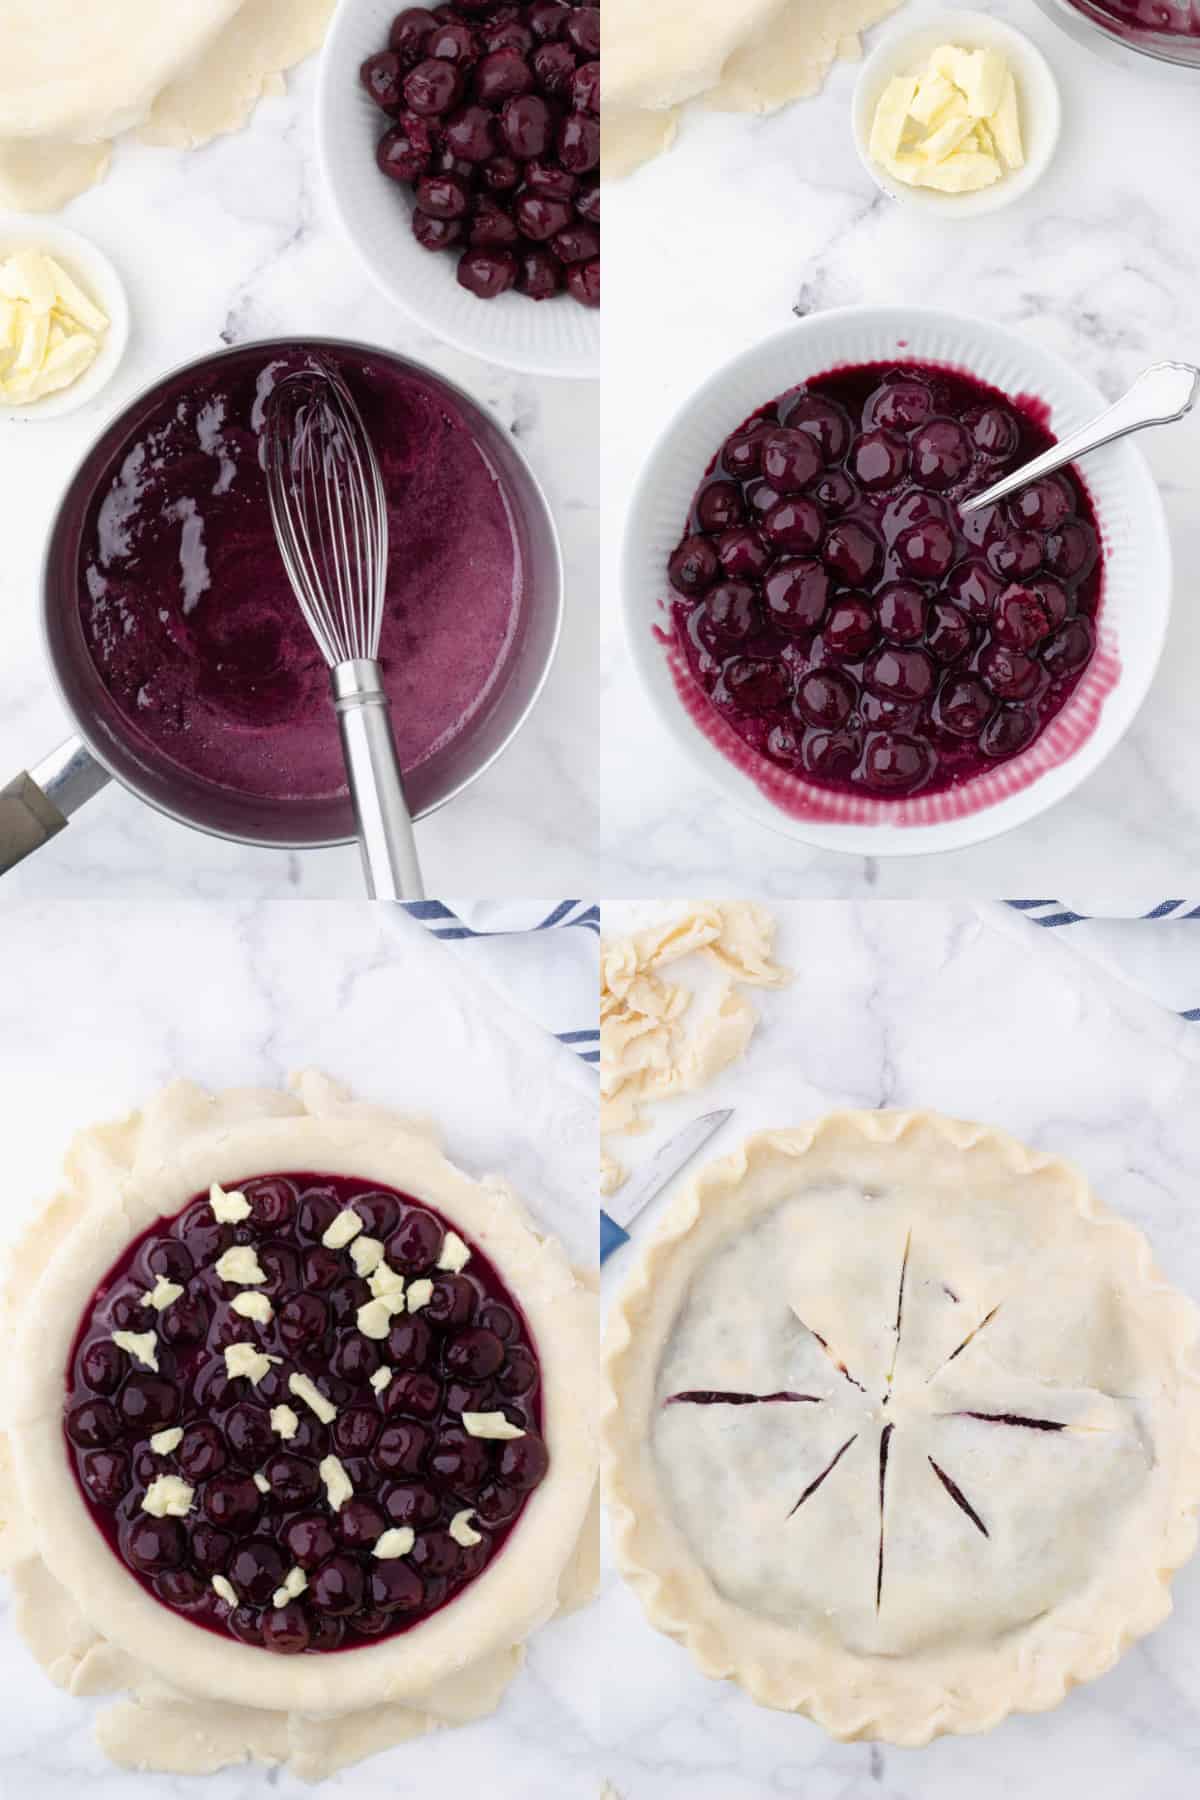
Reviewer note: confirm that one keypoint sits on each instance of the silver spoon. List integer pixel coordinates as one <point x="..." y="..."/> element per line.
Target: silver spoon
<point x="1162" y="394"/>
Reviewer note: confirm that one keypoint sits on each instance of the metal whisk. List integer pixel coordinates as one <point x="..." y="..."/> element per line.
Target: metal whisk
<point x="330" y="519"/>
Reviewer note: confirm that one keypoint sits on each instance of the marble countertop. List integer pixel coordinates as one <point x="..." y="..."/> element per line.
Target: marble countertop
<point x="223" y="245"/>
<point x="404" y="1021"/>
<point x="973" y="1012"/>
<point x="746" y="222"/>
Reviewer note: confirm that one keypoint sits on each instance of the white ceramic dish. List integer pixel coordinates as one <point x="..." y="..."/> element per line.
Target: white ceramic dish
<point x="547" y="337"/>
<point x="99" y="280"/>
<point x="905" y="52"/>
<point x="1133" y="618"/>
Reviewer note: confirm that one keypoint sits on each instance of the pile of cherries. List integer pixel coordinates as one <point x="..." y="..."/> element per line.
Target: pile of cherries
<point x="404" y="1447"/>
<point x="496" y="111"/>
<point x="843" y="616"/>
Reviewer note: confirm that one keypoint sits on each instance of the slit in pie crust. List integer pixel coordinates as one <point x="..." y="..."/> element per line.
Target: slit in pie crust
<point x="903" y="1429"/>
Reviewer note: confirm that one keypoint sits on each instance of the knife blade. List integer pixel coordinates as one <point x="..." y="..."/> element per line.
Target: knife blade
<point x="664" y="1165"/>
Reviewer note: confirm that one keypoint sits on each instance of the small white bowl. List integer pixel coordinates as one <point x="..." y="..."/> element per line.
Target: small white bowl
<point x="1133" y="618"/>
<point x="544" y="337"/>
<point x="906" y="52"/>
<point x="95" y="274"/>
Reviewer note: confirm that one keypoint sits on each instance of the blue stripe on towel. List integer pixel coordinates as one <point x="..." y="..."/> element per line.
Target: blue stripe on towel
<point x="437" y="917"/>
<point x="1052" y="913"/>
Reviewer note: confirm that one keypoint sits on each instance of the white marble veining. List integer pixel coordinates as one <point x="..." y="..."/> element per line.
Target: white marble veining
<point x="98" y="1010"/>
<point x="943" y="1005"/>
<point x="715" y="245"/>
<point x="227" y="244"/>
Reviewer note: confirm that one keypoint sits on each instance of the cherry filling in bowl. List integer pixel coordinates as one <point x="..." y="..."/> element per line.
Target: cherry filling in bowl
<point x="338" y="1493"/>
<point x="842" y="616"/>
<point x="496" y="130"/>
<point x="1169" y="18"/>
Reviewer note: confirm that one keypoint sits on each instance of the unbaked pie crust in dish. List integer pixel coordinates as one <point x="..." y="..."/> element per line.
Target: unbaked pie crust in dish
<point x="467" y="1382"/>
<point x="903" y="1430"/>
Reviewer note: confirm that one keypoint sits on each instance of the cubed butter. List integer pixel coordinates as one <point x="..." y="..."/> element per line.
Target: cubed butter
<point x="963" y="173"/>
<point x="1005" y="124"/>
<point x="50" y="330"/>
<point x="954" y="126"/>
<point x="891" y="117"/>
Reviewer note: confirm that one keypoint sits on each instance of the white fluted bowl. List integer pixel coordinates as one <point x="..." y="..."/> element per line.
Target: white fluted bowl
<point x="547" y="337"/>
<point x="1132" y="622"/>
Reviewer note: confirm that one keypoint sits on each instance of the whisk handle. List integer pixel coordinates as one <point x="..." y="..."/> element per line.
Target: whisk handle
<point x="385" y="829"/>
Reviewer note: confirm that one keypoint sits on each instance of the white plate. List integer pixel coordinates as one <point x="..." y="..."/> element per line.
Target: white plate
<point x="546" y="337"/>
<point x="95" y="274"/>
<point x="1133" y="618"/>
<point x="907" y="51"/>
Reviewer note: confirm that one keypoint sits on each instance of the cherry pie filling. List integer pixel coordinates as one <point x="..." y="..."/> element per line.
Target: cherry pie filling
<point x="1170" y="18"/>
<point x="495" y="113"/>
<point x="304" y="1444"/>
<point x="842" y="616"/>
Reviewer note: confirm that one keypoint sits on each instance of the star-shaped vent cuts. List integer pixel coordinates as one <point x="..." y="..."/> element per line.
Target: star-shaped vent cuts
<point x="875" y="1422"/>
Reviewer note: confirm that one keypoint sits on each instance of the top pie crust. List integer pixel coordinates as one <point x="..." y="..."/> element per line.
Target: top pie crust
<point x="109" y="1632"/>
<point x="938" y="1315"/>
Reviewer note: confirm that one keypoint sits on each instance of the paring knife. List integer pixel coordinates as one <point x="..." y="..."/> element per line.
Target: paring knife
<point x="662" y="1168"/>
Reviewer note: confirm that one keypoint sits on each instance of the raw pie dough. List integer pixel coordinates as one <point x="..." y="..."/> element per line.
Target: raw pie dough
<point x="904" y="1426"/>
<point x="73" y="77"/>
<point x="752" y="57"/>
<point x="96" y="1631"/>
<point x="646" y="1051"/>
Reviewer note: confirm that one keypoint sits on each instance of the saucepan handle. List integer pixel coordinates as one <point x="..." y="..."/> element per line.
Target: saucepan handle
<point x="36" y="805"/>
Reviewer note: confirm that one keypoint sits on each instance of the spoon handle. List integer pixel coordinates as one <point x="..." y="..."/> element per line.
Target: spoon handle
<point x="1161" y="394"/>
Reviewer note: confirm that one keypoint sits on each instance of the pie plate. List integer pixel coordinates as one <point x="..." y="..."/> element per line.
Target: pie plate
<point x="903" y="1429"/>
<point x="91" y="1603"/>
<point x="1133" y="614"/>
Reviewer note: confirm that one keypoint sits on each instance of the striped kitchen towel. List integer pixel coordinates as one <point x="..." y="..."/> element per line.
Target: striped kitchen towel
<point x="544" y="954"/>
<point x="1154" y="947"/>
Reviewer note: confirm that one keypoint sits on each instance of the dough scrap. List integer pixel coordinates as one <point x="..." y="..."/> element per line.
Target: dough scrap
<point x="73" y="78"/>
<point x="220" y="91"/>
<point x="38" y="176"/>
<point x="754" y="58"/>
<point x="793" y="60"/>
<point x="645" y="1052"/>
<point x="630" y="137"/>
<point x="79" y="74"/>
<point x="182" y="1737"/>
<point x="613" y="1176"/>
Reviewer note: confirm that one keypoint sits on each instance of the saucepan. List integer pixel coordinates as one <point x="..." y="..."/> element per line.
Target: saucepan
<point x="38" y="803"/>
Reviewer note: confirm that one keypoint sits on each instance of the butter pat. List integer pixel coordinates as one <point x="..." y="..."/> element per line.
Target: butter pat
<point x="241" y="1265"/>
<point x="892" y="115"/>
<point x="306" y="1390"/>
<point x="142" y="1345"/>
<point x="1005" y="126"/>
<point x="50" y="331"/>
<point x="247" y="1360"/>
<point x="229" y="1208"/>
<point x="338" y="1486"/>
<point x="955" y="126"/>
<point x="168" y="1497"/>
<point x="284" y="1422"/>
<point x="396" y="1542"/>
<point x="490" y="1425"/>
